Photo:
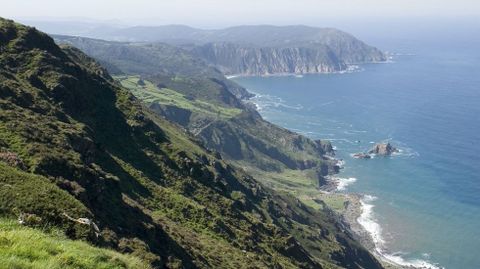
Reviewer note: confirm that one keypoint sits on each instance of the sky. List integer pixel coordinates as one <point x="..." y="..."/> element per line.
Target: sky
<point x="221" y="13"/>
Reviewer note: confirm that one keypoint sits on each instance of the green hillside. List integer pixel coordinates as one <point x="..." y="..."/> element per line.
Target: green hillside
<point x="77" y="147"/>
<point x="204" y="103"/>
<point x="22" y="247"/>
<point x="151" y="94"/>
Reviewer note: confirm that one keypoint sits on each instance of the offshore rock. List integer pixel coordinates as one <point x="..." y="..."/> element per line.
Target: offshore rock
<point x="383" y="149"/>
<point x="361" y="155"/>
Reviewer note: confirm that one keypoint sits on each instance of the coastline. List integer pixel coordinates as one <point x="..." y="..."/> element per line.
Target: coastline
<point x="354" y="209"/>
<point x="357" y="215"/>
<point x="351" y="68"/>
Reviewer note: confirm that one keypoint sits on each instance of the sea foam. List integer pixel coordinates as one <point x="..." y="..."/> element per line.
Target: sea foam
<point x="342" y="183"/>
<point x="264" y="101"/>
<point x="368" y="221"/>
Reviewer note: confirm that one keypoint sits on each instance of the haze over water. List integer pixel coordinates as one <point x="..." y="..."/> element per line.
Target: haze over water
<point x="427" y="103"/>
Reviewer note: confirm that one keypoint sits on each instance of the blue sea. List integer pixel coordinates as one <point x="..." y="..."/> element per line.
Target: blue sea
<point x="423" y="203"/>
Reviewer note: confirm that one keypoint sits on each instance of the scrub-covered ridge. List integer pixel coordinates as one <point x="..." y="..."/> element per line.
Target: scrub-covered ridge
<point x="80" y="155"/>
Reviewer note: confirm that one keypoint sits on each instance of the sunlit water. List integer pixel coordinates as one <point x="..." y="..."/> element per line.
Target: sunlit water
<point x="427" y="103"/>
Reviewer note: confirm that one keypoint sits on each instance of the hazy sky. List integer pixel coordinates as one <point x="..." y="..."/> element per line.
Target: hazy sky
<point x="211" y="13"/>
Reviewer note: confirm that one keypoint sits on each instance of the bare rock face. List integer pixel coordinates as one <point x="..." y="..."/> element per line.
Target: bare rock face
<point x="383" y="149"/>
<point x="251" y="60"/>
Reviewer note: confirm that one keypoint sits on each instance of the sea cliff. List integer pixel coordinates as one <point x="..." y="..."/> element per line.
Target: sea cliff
<point x="248" y="60"/>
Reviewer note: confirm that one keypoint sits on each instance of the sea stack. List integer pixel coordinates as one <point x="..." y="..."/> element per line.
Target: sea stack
<point x="383" y="149"/>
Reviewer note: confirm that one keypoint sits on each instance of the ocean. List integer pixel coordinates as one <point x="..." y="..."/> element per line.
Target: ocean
<point x="423" y="204"/>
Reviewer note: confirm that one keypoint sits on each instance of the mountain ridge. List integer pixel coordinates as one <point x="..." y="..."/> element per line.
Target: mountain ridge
<point x="263" y="49"/>
<point x="257" y="49"/>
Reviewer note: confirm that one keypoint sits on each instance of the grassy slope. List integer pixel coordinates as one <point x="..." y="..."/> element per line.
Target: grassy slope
<point x="22" y="247"/>
<point x="95" y="152"/>
<point x="149" y="93"/>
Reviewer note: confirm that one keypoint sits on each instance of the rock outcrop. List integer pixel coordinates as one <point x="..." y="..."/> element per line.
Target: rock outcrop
<point x="383" y="149"/>
<point x="361" y="155"/>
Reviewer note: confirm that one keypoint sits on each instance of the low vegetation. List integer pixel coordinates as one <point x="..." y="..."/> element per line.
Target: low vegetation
<point x="23" y="247"/>
<point x="150" y="94"/>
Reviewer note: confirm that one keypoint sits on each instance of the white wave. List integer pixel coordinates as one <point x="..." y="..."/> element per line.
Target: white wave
<point x="351" y="69"/>
<point x="368" y="221"/>
<point x="342" y="183"/>
<point x="340" y="163"/>
<point x="406" y="152"/>
<point x="397" y="259"/>
<point x="403" y="149"/>
<point x="353" y="155"/>
<point x="267" y="101"/>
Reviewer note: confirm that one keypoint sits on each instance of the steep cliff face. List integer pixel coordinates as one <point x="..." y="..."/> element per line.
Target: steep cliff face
<point x="249" y="60"/>
<point x="349" y="49"/>
<point x="258" y="49"/>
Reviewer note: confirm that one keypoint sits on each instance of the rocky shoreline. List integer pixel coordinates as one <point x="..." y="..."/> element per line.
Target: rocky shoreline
<point x="353" y="208"/>
<point x="352" y="202"/>
<point x="352" y="211"/>
<point x="350" y="68"/>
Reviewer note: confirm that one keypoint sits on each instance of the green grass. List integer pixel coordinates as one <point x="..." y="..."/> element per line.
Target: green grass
<point x="149" y="93"/>
<point x="22" y="247"/>
<point x="289" y="179"/>
<point x="335" y="201"/>
<point x="22" y="192"/>
<point x="301" y="184"/>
